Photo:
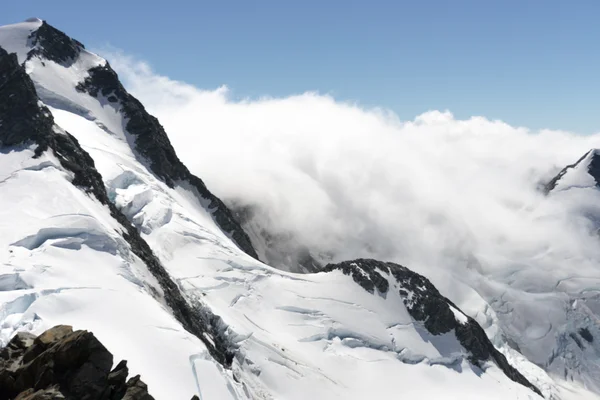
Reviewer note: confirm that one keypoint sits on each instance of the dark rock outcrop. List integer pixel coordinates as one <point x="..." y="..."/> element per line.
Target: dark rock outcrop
<point x="367" y="273"/>
<point x="52" y="44"/>
<point x="426" y="304"/>
<point x="24" y="122"/>
<point x="153" y="146"/>
<point x="593" y="168"/>
<point x="19" y="97"/>
<point x="586" y="334"/>
<point x="64" y="364"/>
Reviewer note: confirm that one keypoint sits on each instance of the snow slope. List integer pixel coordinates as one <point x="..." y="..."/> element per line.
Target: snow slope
<point x="63" y="262"/>
<point x="317" y="336"/>
<point x="74" y="268"/>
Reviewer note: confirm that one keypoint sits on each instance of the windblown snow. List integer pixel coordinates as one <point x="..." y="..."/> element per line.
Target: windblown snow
<point x="63" y="260"/>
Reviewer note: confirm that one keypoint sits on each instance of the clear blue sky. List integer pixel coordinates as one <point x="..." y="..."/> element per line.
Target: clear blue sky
<point x="528" y="62"/>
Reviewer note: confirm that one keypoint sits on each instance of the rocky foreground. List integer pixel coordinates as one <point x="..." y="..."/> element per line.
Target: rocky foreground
<point x="64" y="364"/>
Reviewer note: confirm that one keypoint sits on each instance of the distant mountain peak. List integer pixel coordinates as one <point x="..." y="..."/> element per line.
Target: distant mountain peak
<point x="584" y="173"/>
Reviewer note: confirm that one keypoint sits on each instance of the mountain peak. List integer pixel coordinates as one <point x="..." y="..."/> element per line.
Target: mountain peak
<point x="584" y="173"/>
<point x="35" y="37"/>
<point x="54" y="44"/>
<point x="75" y="76"/>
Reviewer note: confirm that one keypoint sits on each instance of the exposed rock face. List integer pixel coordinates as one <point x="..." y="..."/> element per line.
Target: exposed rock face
<point x="25" y="122"/>
<point x="593" y="168"/>
<point x="153" y="145"/>
<point x="64" y="364"/>
<point x="20" y="98"/>
<point x="55" y="45"/>
<point x="426" y="304"/>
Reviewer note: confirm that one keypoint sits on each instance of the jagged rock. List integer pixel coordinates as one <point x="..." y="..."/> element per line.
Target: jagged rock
<point x="22" y="118"/>
<point x="64" y="364"/>
<point x="44" y="394"/>
<point x="19" y="342"/>
<point x="55" y="45"/>
<point x="136" y="390"/>
<point x="117" y="380"/>
<point x="364" y="272"/>
<point x="53" y="335"/>
<point x="426" y="304"/>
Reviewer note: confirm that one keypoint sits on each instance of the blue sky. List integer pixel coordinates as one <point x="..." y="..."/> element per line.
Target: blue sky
<point x="531" y="63"/>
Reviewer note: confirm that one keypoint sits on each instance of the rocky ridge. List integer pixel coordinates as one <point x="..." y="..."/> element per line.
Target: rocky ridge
<point x="64" y="364"/>
<point x="153" y="146"/>
<point x="593" y="169"/>
<point x="427" y="305"/>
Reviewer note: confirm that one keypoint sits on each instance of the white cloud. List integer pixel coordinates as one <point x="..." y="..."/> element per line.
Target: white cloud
<point x="361" y="182"/>
<point x="454" y="199"/>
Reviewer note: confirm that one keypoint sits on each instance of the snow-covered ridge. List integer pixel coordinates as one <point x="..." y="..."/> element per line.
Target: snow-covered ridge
<point x="150" y="142"/>
<point x="74" y="73"/>
<point x="15" y="38"/>
<point x="37" y="127"/>
<point x="28" y="130"/>
<point x="424" y="303"/>
<point x="584" y="173"/>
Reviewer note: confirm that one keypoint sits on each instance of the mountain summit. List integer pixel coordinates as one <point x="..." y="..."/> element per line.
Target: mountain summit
<point x="104" y="229"/>
<point x="585" y="172"/>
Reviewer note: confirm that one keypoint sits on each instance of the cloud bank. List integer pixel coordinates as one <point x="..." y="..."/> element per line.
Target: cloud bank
<point x="360" y="182"/>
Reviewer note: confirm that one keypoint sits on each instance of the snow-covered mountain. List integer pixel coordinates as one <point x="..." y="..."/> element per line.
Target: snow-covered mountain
<point x="584" y="173"/>
<point x="102" y="227"/>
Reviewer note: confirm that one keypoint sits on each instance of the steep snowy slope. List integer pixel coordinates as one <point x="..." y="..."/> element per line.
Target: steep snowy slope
<point x="585" y="173"/>
<point x="72" y="258"/>
<point x="65" y="256"/>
